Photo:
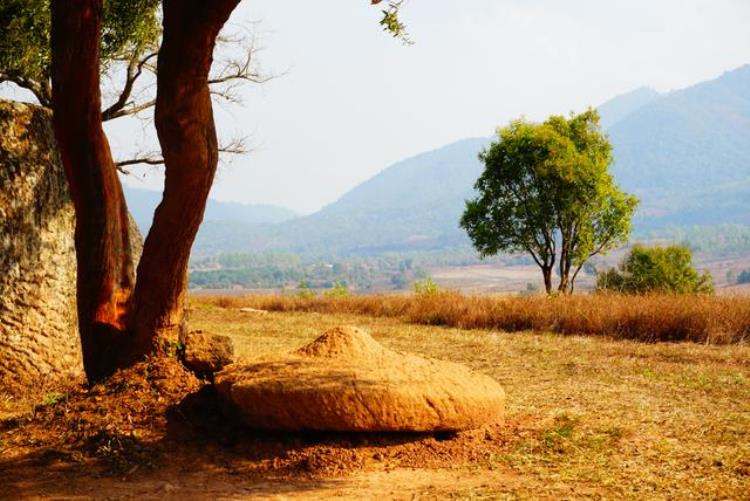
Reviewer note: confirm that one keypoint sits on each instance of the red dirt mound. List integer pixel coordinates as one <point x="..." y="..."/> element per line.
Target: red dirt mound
<point x="157" y="417"/>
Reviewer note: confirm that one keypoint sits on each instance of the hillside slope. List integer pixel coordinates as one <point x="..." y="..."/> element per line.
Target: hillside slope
<point x="620" y="107"/>
<point x="686" y="154"/>
<point x="414" y="203"/>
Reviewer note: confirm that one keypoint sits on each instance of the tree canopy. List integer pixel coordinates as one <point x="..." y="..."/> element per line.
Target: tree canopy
<point x="546" y="190"/>
<point x="129" y="29"/>
<point x="656" y="269"/>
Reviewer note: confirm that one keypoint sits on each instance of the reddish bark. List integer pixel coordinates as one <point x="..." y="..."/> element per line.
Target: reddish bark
<point x="105" y="270"/>
<point x="185" y="126"/>
<point x="187" y="135"/>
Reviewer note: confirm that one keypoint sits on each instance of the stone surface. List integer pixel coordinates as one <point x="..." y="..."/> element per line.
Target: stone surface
<point x="207" y="353"/>
<point x="38" y="323"/>
<point x="346" y="381"/>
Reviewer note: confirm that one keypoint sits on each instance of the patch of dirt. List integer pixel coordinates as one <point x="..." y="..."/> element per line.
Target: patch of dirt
<point x="158" y="427"/>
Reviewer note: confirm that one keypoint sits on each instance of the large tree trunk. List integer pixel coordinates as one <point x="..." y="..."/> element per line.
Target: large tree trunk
<point x="185" y="126"/>
<point x="105" y="267"/>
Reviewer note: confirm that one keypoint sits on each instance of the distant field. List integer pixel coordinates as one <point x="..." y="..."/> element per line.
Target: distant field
<point x="484" y="279"/>
<point x="518" y="279"/>
<point x="587" y="416"/>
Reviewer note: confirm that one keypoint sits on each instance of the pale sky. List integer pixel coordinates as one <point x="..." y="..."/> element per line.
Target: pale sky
<point x="352" y="100"/>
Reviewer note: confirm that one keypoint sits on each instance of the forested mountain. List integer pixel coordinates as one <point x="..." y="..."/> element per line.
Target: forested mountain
<point x="413" y="204"/>
<point x="686" y="154"/>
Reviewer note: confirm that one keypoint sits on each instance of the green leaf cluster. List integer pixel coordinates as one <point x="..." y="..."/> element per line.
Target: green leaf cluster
<point x="426" y="287"/>
<point x="129" y="27"/>
<point x="391" y="22"/>
<point x="656" y="269"/>
<point x="546" y="190"/>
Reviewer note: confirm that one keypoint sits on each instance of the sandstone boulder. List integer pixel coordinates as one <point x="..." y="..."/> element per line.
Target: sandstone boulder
<point x="207" y="353"/>
<point x="346" y="381"/>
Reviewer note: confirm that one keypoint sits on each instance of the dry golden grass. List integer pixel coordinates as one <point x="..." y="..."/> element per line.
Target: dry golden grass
<point x="703" y="319"/>
<point x="589" y="416"/>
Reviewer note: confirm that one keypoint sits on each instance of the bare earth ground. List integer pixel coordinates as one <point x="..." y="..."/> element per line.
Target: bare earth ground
<point x="587" y="417"/>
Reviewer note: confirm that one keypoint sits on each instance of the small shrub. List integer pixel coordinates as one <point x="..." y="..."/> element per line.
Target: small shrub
<point x="744" y="277"/>
<point x="656" y="269"/>
<point x="338" y="290"/>
<point x="52" y="398"/>
<point x="426" y="287"/>
<point x="304" y="291"/>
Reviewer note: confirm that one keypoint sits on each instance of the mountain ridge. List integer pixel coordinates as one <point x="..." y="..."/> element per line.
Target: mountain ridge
<point x="685" y="153"/>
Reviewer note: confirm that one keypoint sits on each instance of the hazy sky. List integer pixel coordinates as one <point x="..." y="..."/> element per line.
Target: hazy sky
<point x="352" y="100"/>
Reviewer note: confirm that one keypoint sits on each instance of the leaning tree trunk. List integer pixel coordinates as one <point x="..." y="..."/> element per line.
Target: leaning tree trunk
<point x="105" y="266"/>
<point x="185" y="126"/>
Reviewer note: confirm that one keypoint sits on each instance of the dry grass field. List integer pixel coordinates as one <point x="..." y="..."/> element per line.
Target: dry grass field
<point x="703" y="319"/>
<point x="587" y="416"/>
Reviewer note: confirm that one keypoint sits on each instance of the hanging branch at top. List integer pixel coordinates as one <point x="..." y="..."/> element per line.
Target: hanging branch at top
<point x="391" y="23"/>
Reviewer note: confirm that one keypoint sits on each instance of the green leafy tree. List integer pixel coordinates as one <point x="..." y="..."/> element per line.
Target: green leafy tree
<point x="130" y="30"/>
<point x="744" y="277"/>
<point x="546" y="190"/>
<point x="656" y="269"/>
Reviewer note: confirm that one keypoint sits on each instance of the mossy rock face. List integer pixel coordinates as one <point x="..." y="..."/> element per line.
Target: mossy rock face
<point x="38" y="323"/>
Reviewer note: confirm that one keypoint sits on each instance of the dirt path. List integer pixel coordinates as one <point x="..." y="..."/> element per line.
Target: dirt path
<point x="399" y="483"/>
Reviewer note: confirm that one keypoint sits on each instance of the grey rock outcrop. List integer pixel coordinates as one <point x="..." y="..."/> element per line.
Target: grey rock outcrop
<point x="38" y="323"/>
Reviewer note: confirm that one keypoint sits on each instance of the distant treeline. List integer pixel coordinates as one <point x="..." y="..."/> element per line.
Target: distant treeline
<point x="398" y="270"/>
<point x="363" y="273"/>
<point x="715" y="241"/>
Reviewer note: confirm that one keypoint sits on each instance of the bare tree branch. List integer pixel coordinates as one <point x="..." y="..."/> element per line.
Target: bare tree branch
<point x="236" y="68"/>
<point x="233" y="71"/>
<point x="122" y="106"/>
<point x="41" y="91"/>
<point x="236" y="146"/>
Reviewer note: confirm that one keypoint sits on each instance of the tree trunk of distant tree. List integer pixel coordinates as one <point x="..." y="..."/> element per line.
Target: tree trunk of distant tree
<point x="120" y="323"/>
<point x="185" y="127"/>
<point x="105" y="267"/>
<point x="547" y="274"/>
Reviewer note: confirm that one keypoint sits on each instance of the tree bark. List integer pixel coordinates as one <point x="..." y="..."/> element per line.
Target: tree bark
<point x="105" y="268"/>
<point x="187" y="135"/>
<point x="547" y="273"/>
